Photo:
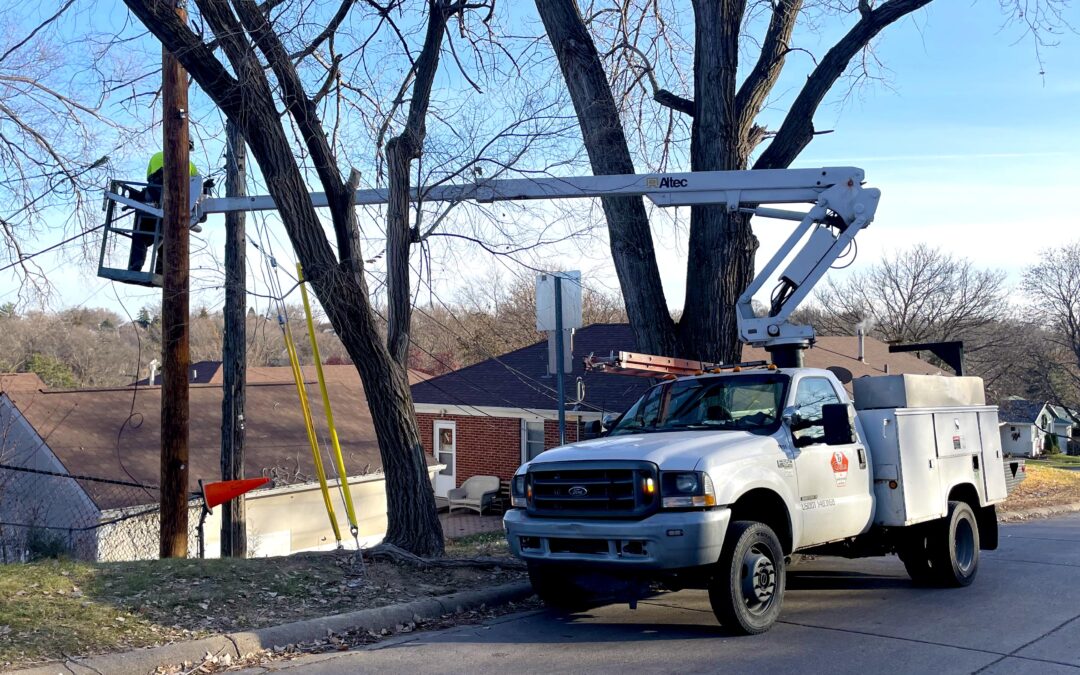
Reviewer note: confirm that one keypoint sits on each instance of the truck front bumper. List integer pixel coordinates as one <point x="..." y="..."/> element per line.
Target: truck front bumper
<point x="662" y="541"/>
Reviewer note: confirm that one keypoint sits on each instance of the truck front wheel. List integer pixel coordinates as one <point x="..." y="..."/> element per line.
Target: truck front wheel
<point x="747" y="590"/>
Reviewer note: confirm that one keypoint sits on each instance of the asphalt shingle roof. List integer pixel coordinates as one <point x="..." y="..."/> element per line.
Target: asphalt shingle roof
<point x="1019" y="411"/>
<point x="519" y="379"/>
<point x="82" y="427"/>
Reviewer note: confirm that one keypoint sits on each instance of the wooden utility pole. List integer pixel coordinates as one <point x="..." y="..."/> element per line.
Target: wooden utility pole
<point x="174" y="306"/>
<point x="234" y="359"/>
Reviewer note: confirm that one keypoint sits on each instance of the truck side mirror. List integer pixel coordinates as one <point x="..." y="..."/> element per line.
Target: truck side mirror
<point x="838" y="420"/>
<point x="595" y="428"/>
<point x="790" y="415"/>
<point x="609" y="421"/>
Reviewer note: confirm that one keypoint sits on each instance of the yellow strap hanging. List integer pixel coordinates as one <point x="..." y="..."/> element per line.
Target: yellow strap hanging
<point x="339" y="461"/>
<point x="298" y="375"/>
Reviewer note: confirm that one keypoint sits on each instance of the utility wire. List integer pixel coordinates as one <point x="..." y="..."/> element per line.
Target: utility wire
<point x="55" y="246"/>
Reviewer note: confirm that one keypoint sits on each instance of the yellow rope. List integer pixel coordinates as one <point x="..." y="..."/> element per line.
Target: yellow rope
<point x="339" y="461"/>
<point x="298" y="375"/>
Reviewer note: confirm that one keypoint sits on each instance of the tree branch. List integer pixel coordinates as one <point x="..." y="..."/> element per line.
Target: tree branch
<point x="303" y="111"/>
<point x="662" y="96"/>
<point x="798" y="128"/>
<point x="331" y="28"/>
<point x="198" y="58"/>
<point x="762" y="78"/>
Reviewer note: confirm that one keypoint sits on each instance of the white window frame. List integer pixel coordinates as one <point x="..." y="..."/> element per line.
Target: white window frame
<point x="435" y="427"/>
<point x="525" y="435"/>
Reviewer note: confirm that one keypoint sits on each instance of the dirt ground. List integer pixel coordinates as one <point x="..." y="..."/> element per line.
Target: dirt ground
<point x="53" y="609"/>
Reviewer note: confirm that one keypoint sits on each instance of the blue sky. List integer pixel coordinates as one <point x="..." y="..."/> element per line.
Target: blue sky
<point x="974" y="150"/>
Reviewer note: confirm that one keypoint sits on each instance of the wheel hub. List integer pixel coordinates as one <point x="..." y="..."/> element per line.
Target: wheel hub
<point x="759" y="580"/>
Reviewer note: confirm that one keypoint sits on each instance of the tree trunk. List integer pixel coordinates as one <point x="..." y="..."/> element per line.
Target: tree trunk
<point x="413" y="523"/>
<point x="720" y="264"/>
<point x="400" y="151"/>
<point x="628" y="224"/>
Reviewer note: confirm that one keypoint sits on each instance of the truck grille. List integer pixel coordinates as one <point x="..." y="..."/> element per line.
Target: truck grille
<point x="593" y="489"/>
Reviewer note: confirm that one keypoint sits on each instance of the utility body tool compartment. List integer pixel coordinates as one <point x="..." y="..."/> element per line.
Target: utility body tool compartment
<point x="920" y="454"/>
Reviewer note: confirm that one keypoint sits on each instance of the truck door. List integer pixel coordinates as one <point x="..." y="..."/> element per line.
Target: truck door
<point x="835" y="496"/>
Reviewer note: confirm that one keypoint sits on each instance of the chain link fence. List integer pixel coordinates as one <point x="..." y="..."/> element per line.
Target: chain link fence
<point x="46" y="514"/>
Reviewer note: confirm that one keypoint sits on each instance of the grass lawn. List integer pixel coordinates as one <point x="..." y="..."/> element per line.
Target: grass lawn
<point x="1060" y="461"/>
<point x="1044" y="486"/>
<point x="53" y="609"/>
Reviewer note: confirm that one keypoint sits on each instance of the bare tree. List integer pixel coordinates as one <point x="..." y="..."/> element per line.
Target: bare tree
<point x="1052" y="289"/>
<point x="921" y="294"/>
<point x="263" y="74"/>
<point x="615" y="55"/>
<point x="56" y="134"/>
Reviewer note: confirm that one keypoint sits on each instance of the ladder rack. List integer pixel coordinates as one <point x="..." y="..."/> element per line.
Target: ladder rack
<point x="650" y="365"/>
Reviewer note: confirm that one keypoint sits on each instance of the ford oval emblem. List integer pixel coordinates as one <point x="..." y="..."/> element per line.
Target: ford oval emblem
<point x="578" y="491"/>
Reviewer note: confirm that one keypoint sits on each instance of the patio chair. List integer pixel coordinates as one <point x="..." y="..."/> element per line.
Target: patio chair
<point x="475" y="493"/>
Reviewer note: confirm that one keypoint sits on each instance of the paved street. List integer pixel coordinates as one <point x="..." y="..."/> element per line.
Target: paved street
<point x="1022" y="615"/>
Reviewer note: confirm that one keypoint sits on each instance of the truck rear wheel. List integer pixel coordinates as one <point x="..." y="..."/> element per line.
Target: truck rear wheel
<point x="944" y="552"/>
<point x="747" y="590"/>
<point x="915" y="554"/>
<point x="955" y="558"/>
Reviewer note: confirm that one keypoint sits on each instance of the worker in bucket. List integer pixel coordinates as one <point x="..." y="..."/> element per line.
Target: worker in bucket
<point x="145" y="224"/>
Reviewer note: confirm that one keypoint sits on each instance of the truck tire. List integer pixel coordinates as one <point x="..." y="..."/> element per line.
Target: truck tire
<point x="944" y="552"/>
<point x="915" y="554"/>
<point x="954" y="556"/>
<point x="557" y="589"/>
<point x="747" y="589"/>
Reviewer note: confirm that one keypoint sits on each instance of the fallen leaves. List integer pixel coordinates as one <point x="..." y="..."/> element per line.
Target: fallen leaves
<point x="1044" y="486"/>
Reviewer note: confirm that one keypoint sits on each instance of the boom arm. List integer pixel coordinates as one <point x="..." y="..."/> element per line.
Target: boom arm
<point x="841" y="207"/>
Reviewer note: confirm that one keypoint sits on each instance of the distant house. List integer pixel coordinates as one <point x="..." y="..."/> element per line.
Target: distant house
<point x="114" y="434"/>
<point x="489" y="418"/>
<point x="1025" y="424"/>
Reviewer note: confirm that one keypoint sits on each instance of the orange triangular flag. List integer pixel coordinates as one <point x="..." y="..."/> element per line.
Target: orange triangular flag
<point x="222" y="491"/>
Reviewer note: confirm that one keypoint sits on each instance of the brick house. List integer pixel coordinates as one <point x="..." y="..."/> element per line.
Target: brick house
<point x="492" y="416"/>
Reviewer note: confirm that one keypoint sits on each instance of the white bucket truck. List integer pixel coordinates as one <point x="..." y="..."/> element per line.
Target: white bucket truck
<point x="714" y="479"/>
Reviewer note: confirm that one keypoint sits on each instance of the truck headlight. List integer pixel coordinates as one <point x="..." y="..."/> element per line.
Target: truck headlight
<point x="518" y="492"/>
<point x="686" y="490"/>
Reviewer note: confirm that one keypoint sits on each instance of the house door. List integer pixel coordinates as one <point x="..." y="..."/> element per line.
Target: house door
<point x="445" y="453"/>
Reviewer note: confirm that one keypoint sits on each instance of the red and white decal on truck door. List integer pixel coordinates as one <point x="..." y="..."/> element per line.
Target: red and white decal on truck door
<point x="839" y="468"/>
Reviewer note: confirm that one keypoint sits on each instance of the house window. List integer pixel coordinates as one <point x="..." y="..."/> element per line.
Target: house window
<point x="532" y="439"/>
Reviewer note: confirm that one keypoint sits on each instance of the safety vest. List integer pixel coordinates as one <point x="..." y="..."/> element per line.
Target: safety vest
<point x="158" y="161"/>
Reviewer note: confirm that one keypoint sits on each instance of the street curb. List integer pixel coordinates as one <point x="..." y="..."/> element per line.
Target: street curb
<point x="1038" y="512"/>
<point x="239" y="644"/>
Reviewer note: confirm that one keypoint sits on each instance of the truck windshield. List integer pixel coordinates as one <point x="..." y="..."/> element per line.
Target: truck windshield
<point x="741" y="402"/>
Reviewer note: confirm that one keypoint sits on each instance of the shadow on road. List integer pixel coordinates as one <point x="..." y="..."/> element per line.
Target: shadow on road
<point x="823" y="580"/>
